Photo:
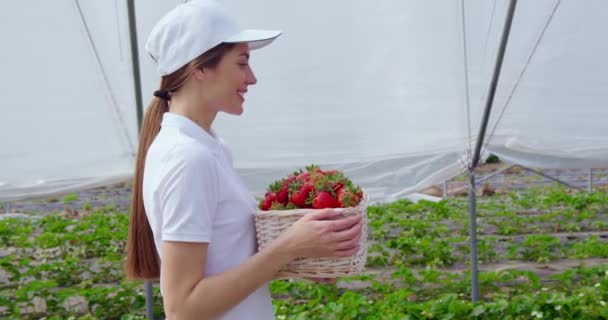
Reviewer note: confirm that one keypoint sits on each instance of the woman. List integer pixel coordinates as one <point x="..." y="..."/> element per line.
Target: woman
<point x="190" y="209"/>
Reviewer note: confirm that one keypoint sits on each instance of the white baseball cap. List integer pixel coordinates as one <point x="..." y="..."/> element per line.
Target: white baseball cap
<point x="192" y="28"/>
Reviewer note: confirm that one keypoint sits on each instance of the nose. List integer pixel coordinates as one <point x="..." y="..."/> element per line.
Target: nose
<point x="250" y="79"/>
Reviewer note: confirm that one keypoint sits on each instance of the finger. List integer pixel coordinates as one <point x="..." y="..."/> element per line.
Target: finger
<point x="348" y="252"/>
<point x="353" y="232"/>
<point x="345" y="223"/>
<point x="344" y="245"/>
<point x="325" y="214"/>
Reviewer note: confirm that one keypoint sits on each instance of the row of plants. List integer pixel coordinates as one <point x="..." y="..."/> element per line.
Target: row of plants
<point x="580" y="293"/>
<point x="427" y="233"/>
<point x="60" y="267"/>
<point x="445" y="252"/>
<point x="386" y="301"/>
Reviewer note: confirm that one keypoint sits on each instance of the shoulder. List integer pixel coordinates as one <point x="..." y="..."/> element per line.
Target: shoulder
<point x="170" y="156"/>
<point x="191" y="155"/>
<point x="188" y="167"/>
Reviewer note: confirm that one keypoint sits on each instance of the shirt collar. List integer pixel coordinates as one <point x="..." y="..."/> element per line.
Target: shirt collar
<point x="193" y="130"/>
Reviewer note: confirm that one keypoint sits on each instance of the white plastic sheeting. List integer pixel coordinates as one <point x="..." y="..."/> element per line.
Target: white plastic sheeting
<point x="67" y="118"/>
<point x="391" y="91"/>
<point x="551" y="108"/>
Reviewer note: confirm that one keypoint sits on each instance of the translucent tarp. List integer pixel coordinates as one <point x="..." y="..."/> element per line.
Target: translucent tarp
<point x="392" y="92"/>
<point x="68" y="119"/>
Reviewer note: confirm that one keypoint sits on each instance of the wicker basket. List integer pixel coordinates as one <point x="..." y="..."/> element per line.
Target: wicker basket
<point x="269" y="224"/>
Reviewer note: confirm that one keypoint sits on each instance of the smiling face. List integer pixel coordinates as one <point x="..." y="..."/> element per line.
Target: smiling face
<point x="227" y="83"/>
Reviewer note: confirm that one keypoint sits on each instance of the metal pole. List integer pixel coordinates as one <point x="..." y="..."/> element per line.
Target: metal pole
<point x="135" y="61"/>
<point x="473" y="236"/>
<point x="590" y="179"/>
<point x="149" y="300"/>
<point x="7" y="207"/>
<point x="139" y="112"/>
<point x="501" y="53"/>
<point x="480" y="137"/>
<point x="445" y="189"/>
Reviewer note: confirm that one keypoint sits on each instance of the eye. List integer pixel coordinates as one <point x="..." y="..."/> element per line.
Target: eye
<point x="243" y="64"/>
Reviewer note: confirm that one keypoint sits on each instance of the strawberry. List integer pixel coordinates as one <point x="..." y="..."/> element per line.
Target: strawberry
<point x="264" y="205"/>
<point x="267" y="202"/>
<point x="338" y="186"/>
<point x="311" y="187"/>
<point x="347" y="198"/>
<point x="304" y="176"/>
<point x="287" y="181"/>
<point x="359" y="193"/>
<point x="270" y="198"/>
<point x="322" y="183"/>
<point x="314" y="168"/>
<point x="281" y="191"/>
<point x="300" y="194"/>
<point x="324" y="200"/>
<point x="283" y="195"/>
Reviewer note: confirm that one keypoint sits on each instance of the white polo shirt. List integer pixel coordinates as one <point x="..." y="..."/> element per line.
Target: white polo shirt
<point x="193" y="194"/>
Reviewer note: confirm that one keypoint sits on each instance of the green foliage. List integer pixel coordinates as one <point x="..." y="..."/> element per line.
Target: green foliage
<point x="69" y="198"/>
<point x="492" y="158"/>
<point x="418" y="264"/>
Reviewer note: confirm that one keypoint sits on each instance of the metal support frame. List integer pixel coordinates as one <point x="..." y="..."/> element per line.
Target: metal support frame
<point x="135" y="61"/>
<point x="473" y="181"/>
<point x="149" y="300"/>
<point x="473" y="236"/>
<point x="482" y="179"/>
<point x="139" y="113"/>
<point x="476" y="154"/>
<point x="552" y="178"/>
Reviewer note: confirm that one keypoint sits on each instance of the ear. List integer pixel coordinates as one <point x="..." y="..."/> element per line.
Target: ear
<point x="199" y="74"/>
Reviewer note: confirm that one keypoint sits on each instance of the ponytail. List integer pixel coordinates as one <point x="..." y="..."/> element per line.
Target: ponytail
<point x="142" y="258"/>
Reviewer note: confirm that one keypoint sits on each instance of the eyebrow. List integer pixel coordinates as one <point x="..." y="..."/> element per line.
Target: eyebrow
<point x="245" y="54"/>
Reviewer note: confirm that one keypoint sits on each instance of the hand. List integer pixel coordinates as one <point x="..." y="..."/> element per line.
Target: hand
<point x="321" y="234"/>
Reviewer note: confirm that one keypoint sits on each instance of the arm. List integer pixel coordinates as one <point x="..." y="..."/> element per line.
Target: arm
<point x="187" y="295"/>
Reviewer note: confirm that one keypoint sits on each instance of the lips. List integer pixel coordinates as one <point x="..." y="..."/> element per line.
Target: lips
<point x="241" y="94"/>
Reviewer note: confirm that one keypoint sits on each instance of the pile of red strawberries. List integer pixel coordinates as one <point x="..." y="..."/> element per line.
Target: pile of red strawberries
<point x="312" y="188"/>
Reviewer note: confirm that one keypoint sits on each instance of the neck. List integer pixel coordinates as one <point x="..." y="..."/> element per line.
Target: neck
<point x="199" y="113"/>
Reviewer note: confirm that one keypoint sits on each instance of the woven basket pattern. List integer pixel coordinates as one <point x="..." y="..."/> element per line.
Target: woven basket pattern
<point x="269" y="224"/>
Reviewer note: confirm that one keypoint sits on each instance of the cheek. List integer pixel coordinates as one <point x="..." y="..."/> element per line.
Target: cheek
<point x="231" y="81"/>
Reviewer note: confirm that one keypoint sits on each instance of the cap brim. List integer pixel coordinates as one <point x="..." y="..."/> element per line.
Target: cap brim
<point x="255" y="38"/>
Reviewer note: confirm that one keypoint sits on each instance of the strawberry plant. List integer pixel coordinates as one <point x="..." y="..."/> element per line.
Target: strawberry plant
<point x="418" y="263"/>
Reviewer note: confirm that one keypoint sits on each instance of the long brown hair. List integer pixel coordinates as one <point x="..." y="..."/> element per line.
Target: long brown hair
<point x="142" y="258"/>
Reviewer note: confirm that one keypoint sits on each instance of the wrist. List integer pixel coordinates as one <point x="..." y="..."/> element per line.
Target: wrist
<point x="280" y="252"/>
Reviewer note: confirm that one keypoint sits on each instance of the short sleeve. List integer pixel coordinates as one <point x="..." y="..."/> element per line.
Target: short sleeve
<point x="189" y="197"/>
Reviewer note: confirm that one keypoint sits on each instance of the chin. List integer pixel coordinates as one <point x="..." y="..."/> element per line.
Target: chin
<point x="235" y="111"/>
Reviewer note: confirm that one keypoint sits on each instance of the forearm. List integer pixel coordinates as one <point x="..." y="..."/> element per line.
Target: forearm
<point x="211" y="297"/>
